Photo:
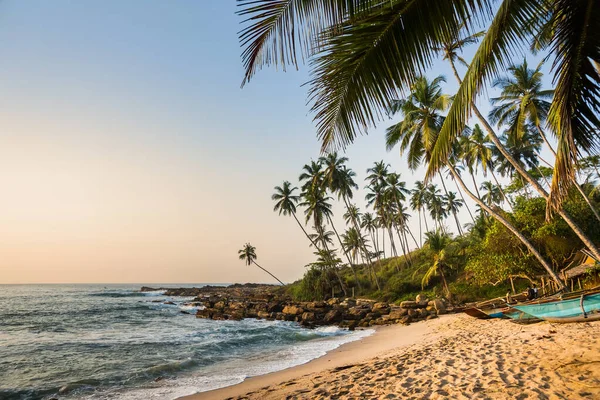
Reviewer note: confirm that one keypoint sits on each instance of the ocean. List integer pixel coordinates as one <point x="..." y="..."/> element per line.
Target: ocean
<point x="114" y="342"/>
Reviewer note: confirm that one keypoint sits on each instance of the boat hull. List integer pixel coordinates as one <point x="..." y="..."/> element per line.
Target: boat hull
<point x="578" y="309"/>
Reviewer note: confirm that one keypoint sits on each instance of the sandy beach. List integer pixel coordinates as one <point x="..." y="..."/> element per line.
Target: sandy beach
<point x="455" y="357"/>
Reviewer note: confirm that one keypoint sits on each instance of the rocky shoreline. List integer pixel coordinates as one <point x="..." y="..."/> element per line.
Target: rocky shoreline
<point x="236" y="302"/>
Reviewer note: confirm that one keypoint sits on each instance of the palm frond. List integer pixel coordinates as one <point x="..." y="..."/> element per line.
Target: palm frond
<point x="500" y="41"/>
<point x="573" y="115"/>
<point x="361" y="69"/>
<point x="281" y="31"/>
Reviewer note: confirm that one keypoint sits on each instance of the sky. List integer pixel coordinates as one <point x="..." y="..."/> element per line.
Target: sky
<point x="130" y="154"/>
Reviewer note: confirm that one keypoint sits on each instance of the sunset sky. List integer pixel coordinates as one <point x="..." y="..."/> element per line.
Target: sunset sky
<point x="129" y="153"/>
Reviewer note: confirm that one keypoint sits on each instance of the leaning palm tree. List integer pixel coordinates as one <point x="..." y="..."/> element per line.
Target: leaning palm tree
<point x="248" y="254"/>
<point x="523" y="104"/>
<point x="362" y="51"/>
<point x="285" y="203"/>
<point x="418" y="201"/>
<point x="447" y="164"/>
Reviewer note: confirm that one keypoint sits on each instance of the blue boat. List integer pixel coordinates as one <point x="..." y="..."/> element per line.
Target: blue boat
<point x="580" y="308"/>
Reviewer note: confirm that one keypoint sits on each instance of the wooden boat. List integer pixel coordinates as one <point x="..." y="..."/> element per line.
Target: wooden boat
<point x="519" y="317"/>
<point x="571" y="307"/>
<point x="476" y="313"/>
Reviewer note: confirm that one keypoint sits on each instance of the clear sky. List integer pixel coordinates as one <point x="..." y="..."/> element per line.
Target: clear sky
<point x="129" y="153"/>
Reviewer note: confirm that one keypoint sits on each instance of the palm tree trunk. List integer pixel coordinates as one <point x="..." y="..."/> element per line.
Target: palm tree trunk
<point x="425" y="220"/>
<point x="420" y="229"/>
<point x="511" y="228"/>
<point x="305" y="233"/>
<point x="582" y="236"/>
<point x="445" y="283"/>
<point x="457" y="224"/>
<point x="343" y="250"/>
<point x="362" y="241"/>
<point x="501" y="190"/>
<point x="335" y="271"/>
<point x="463" y="199"/>
<point x="276" y="278"/>
<point x="392" y="244"/>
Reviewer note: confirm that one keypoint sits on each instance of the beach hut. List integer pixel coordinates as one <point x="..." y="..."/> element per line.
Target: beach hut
<point x="583" y="265"/>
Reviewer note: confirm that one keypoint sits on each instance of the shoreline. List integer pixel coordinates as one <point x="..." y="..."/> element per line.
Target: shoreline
<point x="454" y="356"/>
<point x="385" y="339"/>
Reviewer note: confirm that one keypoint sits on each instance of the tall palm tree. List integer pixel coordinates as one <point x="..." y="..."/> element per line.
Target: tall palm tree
<point x="562" y="119"/>
<point x="369" y="224"/>
<point x="362" y="51"/>
<point x="427" y="112"/>
<point x="313" y="176"/>
<point x="418" y="201"/>
<point x="285" y="203"/>
<point x="316" y="207"/>
<point x="492" y="196"/>
<point x="523" y="104"/>
<point x="396" y="190"/>
<point x="453" y="205"/>
<point x="248" y="254"/>
<point x="340" y="180"/>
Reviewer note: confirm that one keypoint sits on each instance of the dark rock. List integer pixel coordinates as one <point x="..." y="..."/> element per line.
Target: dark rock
<point x="333" y="316"/>
<point x="408" y="304"/>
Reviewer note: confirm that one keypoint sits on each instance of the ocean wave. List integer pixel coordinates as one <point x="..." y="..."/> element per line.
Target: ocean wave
<point x="116" y="294"/>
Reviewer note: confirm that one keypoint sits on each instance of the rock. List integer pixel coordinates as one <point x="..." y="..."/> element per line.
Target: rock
<point x="409" y="304"/>
<point x="413" y="313"/>
<point x="423" y="312"/>
<point x="333" y="316"/>
<point x="264" y="315"/>
<point x="382" y="308"/>
<point x="333" y="301"/>
<point x="292" y="310"/>
<point x="421" y="298"/>
<point x="405" y="320"/>
<point x="439" y="305"/>
<point x="431" y="316"/>
<point x="274" y="306"/>
<point x="185" y="312"/>
<point x="348" y="303"/>
<point x="356" y="313"/>
<point x="169" y="303"/>
<point x="397" y="313"/>
<point x="308" y="316"/>
<point x="220" y="305"/>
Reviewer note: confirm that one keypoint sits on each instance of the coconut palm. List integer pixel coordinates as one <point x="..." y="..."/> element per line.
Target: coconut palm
<point x="440" y="245"/>
<point x="248" y="254"/>
<point x="378" y="173"/>
<point x="362" y="51"/>
<point x="285" y="203"/>
<point x="492" y="196"/>
<point x="313" y="176"/>
<point x="396" y="190"/>
<point x="453" y="205"/>
<point x="523" y="104"/>
<point x="322" y="236"/>
<point x="418" y="201"/>
<point x="369" y="224"/>
<point x="434" y="205"/>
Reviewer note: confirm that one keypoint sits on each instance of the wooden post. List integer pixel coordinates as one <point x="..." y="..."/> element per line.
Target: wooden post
<point x="512" y="285"/>
<point x="572" y="284"/>
<point x="332" y="293"/>
<point x="579" y="282"/>
<point x="352" y="291"/>
<point x="543" y="286"/>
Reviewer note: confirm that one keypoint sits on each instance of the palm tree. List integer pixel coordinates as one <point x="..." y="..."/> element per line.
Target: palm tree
<point x="418" y="201"/>
<point x="362" y="51"/>
<point x="453" y="205"/>
<point x="313" y="176"/>
<point x="411" y="133"/>
<point x="340" y="180"/>
<point x="285" y="203"/>
<point x="439" y="244"/>
<point x="322" y="236"/>
<point x="492" y="196"/>
<point x="561" y="117"/>
<point x="318" y="209"/>
<point x="523" y="104"/>
<point x="369" y="224"/>
<point x="248" y="254"/>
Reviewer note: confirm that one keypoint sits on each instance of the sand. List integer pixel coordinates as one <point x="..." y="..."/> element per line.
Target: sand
<point x="455" y="357"/>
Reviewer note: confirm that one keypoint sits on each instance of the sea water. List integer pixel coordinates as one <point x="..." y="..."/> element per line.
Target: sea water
<point x="114" y="342"/>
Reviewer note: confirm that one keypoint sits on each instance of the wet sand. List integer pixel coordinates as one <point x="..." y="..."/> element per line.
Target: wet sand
<point x="454" y="357"/>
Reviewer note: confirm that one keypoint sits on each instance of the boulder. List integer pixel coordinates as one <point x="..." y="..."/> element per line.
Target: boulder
<point x="220" y="305"/>
<point x="333" y="301"/>
<point x="382" y="308"/>
<point x="423" y="312"/>
<point x="308" y="316"/>
<point x="263" y="315"/>
<point x="273" y="306"/>
<point x="333" y="316"/>
<point x="405" y="320"/>
<point x="397" y="313"/>
<point x="413" y="313"/>
<point x="421" y="298"/>
<point x="439" y="305"/>
<point x="293" y="310"/>
<point x="409" y="304"/>
<point x="431" y="316"/>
